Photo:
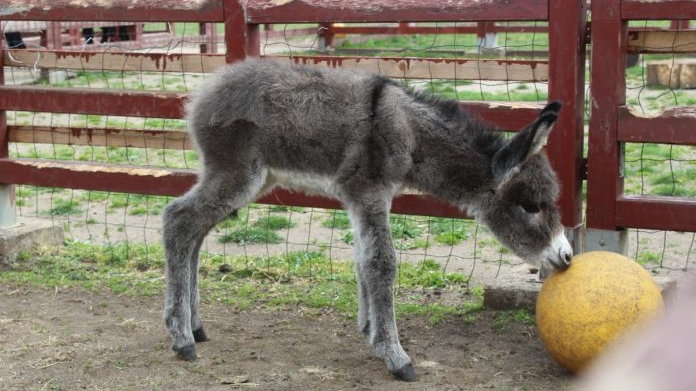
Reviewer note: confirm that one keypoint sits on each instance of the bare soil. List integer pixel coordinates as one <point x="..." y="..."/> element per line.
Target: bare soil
<point x="74" y="339"/>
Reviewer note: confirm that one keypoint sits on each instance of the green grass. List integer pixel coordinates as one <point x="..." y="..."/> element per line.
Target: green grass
<point x="420" y="45"/>
<point x="262" y="230"/>
<point x="251" y="235"/>
<point x="338" y="219"/>
<point x="274" y="223"/>
<point x="504" y="318"/>
<point x="648" y="258"/>
<point x="658" y="169"/>
<point x="450" y="231"/>
<point x="63" y="207"/>
<point x="405" y="227"/>
<point x="306" y="280"/>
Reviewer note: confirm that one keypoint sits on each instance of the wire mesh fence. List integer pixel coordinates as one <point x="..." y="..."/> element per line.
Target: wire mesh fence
<point x="508" y="64"/>
<point x="260" y="233"/>
<point x="657" y="81"/>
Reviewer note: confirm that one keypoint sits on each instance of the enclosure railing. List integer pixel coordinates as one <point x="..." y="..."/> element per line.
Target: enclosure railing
<point x="564" y="71"/>
<point x="613" y="123"/>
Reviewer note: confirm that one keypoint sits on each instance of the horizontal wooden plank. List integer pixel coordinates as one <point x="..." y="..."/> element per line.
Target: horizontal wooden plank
<point x="394" y="30"/>
<point x="101" y="137"/>
<point x="171" y="182"/>
<point x="505" y="115"/>
<point x="93" y="101"/>
<point x="663" y="213"/>
<point x="399" y="67"/>
<point x="114" y="10"/>
<point x="90" y="176"/>
<point x="432" y="68"/>
<point x="300" y="11"/>
<point x="668" y="41"/>
<point x="114" y="61"/>
<point x="674" y="126"/>
<point x="658" y="9"/>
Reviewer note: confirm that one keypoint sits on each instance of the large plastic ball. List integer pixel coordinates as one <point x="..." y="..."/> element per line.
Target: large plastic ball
<point x="581" y="310"/>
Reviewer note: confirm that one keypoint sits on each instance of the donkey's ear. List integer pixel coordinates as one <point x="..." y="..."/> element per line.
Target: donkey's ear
<point x="528" y="142"/>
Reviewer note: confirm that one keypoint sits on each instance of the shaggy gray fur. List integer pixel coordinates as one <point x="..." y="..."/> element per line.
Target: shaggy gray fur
<point x="360" y="138"/>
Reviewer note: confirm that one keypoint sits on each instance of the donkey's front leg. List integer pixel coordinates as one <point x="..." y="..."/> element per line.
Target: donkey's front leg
<point x="376" y="271"/>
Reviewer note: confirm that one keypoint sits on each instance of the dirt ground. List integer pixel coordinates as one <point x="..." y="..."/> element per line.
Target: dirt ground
<point x="73" y="339"/>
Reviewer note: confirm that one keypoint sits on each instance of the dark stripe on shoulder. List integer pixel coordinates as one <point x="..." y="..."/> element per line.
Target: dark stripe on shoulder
<point x="378" y="85"/>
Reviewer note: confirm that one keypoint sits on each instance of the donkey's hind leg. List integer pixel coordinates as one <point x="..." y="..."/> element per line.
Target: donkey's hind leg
<point x="187" y="220"/>
<point x="376" y="271"/>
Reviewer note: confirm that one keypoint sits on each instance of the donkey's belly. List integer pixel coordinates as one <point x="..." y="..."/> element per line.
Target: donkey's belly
<point x="306" y="182"/>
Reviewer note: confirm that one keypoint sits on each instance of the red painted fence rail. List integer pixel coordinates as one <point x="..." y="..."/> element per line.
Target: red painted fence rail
<point x="612" y="124"/>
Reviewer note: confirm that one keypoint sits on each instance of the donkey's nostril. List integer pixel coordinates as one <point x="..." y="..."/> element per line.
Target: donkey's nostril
<point x="567" y="257"/>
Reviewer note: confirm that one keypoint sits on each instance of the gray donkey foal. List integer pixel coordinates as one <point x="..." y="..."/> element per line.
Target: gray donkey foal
<point x="360" y="138"/>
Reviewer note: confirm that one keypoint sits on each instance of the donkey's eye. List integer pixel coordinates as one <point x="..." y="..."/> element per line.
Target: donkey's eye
<point x="530" y="208"/>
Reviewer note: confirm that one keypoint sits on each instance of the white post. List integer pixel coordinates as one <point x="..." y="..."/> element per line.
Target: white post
<point x="7" y="209"/>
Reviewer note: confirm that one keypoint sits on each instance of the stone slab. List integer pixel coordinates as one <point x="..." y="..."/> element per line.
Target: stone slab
<point x="521" y="290"/>
<point x="28" y="234"/>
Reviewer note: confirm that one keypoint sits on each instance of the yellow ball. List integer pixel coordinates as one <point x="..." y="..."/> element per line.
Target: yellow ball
<point x="596" y="300"/>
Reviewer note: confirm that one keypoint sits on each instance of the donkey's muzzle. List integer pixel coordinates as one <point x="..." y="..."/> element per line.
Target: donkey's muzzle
<point x="557" y="255"/>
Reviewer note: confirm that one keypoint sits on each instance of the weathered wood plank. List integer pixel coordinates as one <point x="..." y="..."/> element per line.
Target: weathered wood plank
<point x="433" y="68"/>
<point x="113" y="10"/>
<point x="101" y="137"/>
<point x="669" y="41"/>
<point x="674" y="126"/>
<point x="652" y="212"/>
<point x="157" y="104"/>
<point x="298" y="11"/>
<point x="112" y="61"/>
<point x="175" y="182"/>
<point x="397" y="67"/>
<point x="658" y="9"/>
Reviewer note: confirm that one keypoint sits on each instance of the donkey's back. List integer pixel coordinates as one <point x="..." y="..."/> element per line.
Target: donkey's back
<point x="293" y="117"/>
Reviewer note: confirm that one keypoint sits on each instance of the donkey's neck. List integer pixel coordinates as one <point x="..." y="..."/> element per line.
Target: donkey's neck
<point x="452" y="159"/>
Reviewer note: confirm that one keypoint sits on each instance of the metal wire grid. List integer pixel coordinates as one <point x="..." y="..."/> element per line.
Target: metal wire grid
<point x="109" y="218"/>
<point x="660" y="169"/>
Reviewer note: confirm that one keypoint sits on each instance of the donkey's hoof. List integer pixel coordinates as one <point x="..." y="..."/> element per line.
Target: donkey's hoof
<point x="199" y="335"/>
<point x="405" y="373"/>
<point x="187" y="353"/>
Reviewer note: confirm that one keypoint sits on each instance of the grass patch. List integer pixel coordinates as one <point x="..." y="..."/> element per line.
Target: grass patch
<point x="504" y="318"/>
<point x="308" y="280"/>
<point x="274" y="223"/>
<point x="450" y="231"/>
<point x="63" y="207"/>
<point x="251" y="235"/>
<point x="338" y="220"/>
<point x="403" y="227"/>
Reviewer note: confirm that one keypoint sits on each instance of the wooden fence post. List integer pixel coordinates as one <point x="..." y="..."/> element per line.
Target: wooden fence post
<point x="608" y="86"/>
<point x="567" y="23"/>
<point x="241" y="38"/>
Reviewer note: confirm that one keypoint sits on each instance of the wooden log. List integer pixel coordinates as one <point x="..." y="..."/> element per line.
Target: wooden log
<point x="677" y="73"/>
<point x="662" y="41"/>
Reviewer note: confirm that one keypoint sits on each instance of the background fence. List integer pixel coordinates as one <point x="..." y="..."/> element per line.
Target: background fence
<point x="641" y="139"/>
<point x="103" y="120"/>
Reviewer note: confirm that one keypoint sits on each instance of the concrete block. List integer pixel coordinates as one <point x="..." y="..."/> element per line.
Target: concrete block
<point x="516" y="290"/>
<point x="605" y="240"/>
<point x="28" y="234"/>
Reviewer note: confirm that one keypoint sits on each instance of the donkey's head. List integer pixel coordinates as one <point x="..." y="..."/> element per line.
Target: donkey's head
<point x="521" y="211"/>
